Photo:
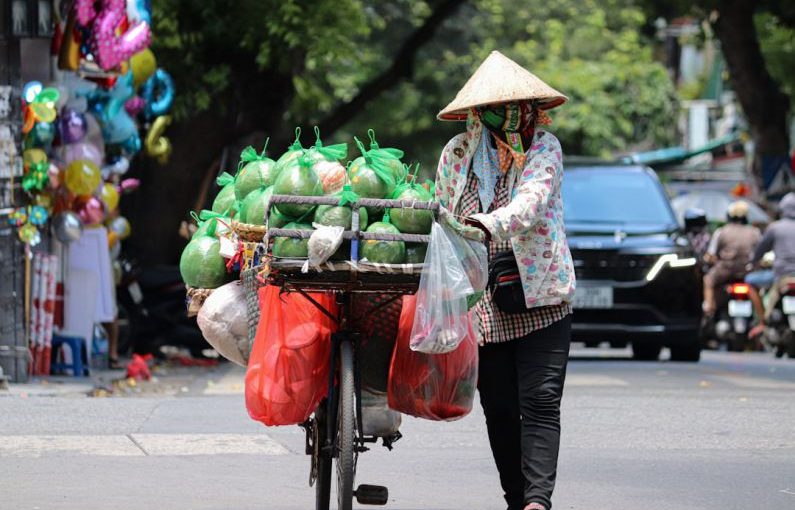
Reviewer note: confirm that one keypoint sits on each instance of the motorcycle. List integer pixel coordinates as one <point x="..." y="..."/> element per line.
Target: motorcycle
<point x="152" y="314"/>
<point x="780" y="331"/>
<point x="730" y="324"/>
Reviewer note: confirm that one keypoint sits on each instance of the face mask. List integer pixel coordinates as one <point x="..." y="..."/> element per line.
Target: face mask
<point x="510" y="118"/>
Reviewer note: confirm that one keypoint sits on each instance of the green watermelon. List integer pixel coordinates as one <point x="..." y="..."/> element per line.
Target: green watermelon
<point x="412" y="221"/>
<point x="289" y="248"/>
<point x="366" y="183"/>
<point x="253" y="208"/>
<point x="278" y="220"/>
<point x="225" y="199"/>
<point x="255" y="175"/>
<point x="297" y="179"/>
<point x="415" y="253"/>
<point x="201" y="265"/>
<point x="339" y="216"/>
<point x="385" y="252"/>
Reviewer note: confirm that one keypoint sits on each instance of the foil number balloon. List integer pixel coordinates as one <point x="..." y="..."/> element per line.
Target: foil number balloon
<point x="158" y="92"/>
<point x="110" y="49"/>
<point x="156" y="144"/>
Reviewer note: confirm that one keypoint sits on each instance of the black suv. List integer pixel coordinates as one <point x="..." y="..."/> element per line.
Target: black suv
<point x="637" y="277"/>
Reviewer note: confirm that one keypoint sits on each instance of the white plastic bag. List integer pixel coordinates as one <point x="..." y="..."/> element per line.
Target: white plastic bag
<point x="440" y="321"/>
<point x="223" y="320"/>
<point x="323" y="243"/>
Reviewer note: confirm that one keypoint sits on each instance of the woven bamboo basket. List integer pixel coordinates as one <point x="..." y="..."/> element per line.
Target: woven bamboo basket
<point x="248" y="231"/>
<point x="196" y="298"/>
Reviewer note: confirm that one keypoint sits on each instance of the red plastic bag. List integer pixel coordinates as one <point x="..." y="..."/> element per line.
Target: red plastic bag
<point x="288" y="371"/>
<point x="438" y="387"/>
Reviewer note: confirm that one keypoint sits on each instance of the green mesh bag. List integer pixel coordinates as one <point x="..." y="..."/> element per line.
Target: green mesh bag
<point x="384" y="252"/>
<point x="201" y="265"/>
<point x="256" y="171"/>
<point x="288" y="247"/>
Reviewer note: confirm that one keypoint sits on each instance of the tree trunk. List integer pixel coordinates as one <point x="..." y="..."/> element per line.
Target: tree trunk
<point x="762" y="101"/>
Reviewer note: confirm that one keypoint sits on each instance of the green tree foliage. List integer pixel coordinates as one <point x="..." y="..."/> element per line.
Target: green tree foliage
<point x="590" y="50"/>
<point x="777" y="40"/>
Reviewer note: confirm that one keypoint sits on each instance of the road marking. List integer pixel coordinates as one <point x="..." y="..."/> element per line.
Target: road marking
<point x="755" y="383"/>
<point x="40" y="446"/>
<point x="209" y="444"/>
<point x="139" y="445"/>
<point x="593" y="380"/>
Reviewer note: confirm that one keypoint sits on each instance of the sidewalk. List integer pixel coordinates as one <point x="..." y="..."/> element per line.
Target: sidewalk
<point x="168" y="379"/>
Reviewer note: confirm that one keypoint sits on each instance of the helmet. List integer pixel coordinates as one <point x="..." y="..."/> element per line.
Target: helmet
<point x="737" y="211"/>
<point x="695" y="218"/>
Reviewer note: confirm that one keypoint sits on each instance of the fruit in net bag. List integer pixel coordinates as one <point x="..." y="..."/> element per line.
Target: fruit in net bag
<point x="224" y="200"/>
<point x="341" y="215"/>
<point x="326" y="164"/>
<point x="290" y="248"/>
<point x="372" y="175"/>
<point x="297" y="179"/>
<point x="383" y="252"/>
<point x="258" y="171"/>
<point x="252" y="210"/>
<point x="415" y="253"/>
<point x="412" y="221"/>
<point x="201" y="264"/>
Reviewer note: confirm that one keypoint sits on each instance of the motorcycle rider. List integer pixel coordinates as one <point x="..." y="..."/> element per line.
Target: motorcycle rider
<point x="779" y="237"/>
<point x="729" y="251"/>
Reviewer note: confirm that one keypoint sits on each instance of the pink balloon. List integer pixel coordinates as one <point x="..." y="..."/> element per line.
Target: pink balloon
<point x="91" y="210"/>
<point x="129" y="185"/>
<point x="54" y="175"/>
<point x="134" y="105"/>
<point x="84" y="11"/>
<point x="81" y="150"/>
<point x="110" y="49"/>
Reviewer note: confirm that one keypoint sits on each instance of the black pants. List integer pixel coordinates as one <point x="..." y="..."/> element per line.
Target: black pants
<point x="521" y="384"/>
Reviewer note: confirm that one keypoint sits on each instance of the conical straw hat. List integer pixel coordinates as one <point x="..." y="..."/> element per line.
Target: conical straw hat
<point x="500" y="80"/>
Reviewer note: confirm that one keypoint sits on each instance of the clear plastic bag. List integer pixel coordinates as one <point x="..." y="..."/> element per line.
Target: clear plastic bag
<point x="440" y="321"/>
<point x="322" y="244"/>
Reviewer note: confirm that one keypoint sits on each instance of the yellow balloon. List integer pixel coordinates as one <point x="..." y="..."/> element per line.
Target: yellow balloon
<point x="120" y="227"/>
<point x="110" y="196"/>
<point x="143" y="66"/>
<point x="82" y="177"/>
<point x="155" y="143"/>
<point x="33" y="157"/>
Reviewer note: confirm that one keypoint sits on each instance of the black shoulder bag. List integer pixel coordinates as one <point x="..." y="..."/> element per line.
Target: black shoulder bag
<point x="505" y="283"/>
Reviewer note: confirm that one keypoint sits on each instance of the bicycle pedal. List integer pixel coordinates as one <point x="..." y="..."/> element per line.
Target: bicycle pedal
<point x="372" y="495"/>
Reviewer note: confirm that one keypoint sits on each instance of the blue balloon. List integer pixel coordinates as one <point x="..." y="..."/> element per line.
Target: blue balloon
<point x="143" y="10"/>
<point x="132" y="145"/>
<point x="119" y="128"/>
<point x="31" y="90"/>
<point x="158" y="92"/>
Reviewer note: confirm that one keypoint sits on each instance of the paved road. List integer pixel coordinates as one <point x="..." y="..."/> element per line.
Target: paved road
<point x="716" y="435"/>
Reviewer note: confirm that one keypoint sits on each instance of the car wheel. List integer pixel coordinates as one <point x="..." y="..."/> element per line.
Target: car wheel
<point x="646" y="351"/>
<point x="618" y="345"/>
<point x="689" y="352"/>
<point x="591" y="344"/>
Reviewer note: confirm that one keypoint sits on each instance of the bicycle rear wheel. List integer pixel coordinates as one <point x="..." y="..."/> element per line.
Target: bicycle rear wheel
<point x="346" y="432"/>
<point x="322" y="461"/>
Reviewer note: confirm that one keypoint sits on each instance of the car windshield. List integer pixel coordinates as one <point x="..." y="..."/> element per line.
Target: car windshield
<point x="614" y="196"/>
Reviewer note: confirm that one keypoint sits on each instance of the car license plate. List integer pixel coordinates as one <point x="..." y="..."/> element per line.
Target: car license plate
<point x="740" y="308"/>
<point x="593" y="297"/>
<point x="788" y="304"/>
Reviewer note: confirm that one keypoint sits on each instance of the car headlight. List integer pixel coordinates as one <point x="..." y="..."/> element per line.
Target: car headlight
<point x="670" y="260"/>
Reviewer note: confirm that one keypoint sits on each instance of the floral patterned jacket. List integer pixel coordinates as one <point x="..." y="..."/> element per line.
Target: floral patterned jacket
<point x="533" y="221"/>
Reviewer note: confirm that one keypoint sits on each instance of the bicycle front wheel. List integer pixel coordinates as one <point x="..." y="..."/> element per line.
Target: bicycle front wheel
<point x="346" y="431"/>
